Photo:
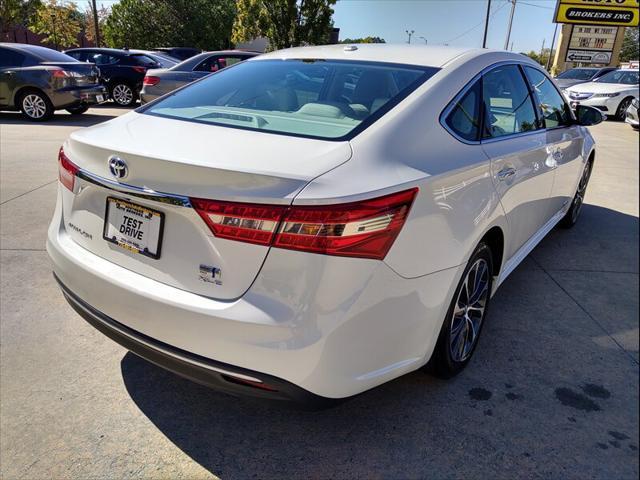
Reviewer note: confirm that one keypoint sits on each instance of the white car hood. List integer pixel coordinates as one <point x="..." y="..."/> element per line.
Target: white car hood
<point x="597" y="87"/>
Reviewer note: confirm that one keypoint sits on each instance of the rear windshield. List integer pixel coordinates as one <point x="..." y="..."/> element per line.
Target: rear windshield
<point x="578" y="73"/>
<point x="144" y="60"/>
<point x="48" y="55"/>
<point x="328" y="99"/>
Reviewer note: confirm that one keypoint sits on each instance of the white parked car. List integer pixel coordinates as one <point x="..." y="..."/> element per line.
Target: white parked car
<point x="314" y="222"/>
<point x="612" y="93"/>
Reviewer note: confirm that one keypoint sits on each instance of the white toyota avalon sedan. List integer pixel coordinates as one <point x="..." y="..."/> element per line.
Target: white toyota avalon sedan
<point x="311" y="223"/>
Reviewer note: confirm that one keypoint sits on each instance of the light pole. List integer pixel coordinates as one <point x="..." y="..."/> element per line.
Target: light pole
<point x="426" y="42"/>
<point x="53" y="24"/>
<point x="553" y="42"/>
<point x="96" y="26"/>
<point x="410" y="33"/>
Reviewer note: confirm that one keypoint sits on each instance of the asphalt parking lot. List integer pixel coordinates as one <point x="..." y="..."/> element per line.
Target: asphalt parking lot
<point x="551" y="393"/>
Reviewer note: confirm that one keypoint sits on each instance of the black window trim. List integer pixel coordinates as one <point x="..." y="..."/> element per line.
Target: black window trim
<point x="451" y="105"/>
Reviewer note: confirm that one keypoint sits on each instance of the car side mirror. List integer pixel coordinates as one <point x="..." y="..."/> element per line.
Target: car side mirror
<point x="587" y="116"/>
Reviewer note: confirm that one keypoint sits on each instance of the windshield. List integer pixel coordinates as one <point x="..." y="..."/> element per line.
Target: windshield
<point x="625" y="77"/>
<point x="327" y="99"/>
<point x="578" y="74"/>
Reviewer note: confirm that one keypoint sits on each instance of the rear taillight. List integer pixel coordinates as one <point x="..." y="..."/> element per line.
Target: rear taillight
<point x="67" y="170"/>
<point x="140" y="69"/>
<point x="60" y="73"/>
<point x="148" y="80"/>
<point x="240" y="221"/>
<point x="365" y="229"/>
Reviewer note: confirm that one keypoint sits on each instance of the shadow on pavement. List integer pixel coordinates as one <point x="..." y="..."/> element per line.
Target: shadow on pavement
<point x="416" y="425"/>
<point x="58" y="119"/>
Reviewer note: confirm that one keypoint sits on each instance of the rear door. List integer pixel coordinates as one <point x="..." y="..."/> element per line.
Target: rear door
<point x="10" y="61"/>
<point x="515" y="141"/>
<point x="563" y="137"/>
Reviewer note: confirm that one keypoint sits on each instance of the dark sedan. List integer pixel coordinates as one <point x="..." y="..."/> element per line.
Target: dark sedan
<point x="121" y="70"/>
<point x="161" y="81"/>
<point x="38" y="81"/>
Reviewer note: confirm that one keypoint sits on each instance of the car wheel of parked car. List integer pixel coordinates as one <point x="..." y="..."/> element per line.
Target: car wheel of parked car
<point x="36" y="106"/>
<point x="123" y="94"/>
<point x="622" y="108"/>
<point x="571" y="217"/>
<point x="462" y="326"/>
<point x="77" y="110"/>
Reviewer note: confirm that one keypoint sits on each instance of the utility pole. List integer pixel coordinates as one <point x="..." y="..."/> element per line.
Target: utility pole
<point x="513" y="9"/>
<point x="486" y="25"/>
<point x="410" y="33"/>
<point x="553" y="42"/>
<point x="95" y="22"/>
<point x="542" y="48"/>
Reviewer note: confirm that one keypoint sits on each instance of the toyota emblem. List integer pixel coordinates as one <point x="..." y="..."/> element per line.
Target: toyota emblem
<point x="118" y="167"/>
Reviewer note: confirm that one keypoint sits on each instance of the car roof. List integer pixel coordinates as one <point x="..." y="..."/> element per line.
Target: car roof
<point x="424" y="55"/>
<point x="100" y="49"/>
<point x="33" y="49"/>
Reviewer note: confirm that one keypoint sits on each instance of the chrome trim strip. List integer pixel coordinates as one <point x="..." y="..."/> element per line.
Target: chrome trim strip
<point x="146" y="193"/>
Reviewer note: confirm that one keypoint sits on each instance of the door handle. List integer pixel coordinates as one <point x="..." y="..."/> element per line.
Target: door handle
<point x="506" y="173"/>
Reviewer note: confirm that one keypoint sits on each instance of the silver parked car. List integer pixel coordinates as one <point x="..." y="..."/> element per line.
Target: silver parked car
<point x="164" y="80"/>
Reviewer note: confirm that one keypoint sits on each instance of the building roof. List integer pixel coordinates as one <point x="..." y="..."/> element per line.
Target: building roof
<point x="425" y="55"/>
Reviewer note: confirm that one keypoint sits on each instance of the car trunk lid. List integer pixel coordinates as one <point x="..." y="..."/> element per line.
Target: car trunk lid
<point x="168" y="161"/>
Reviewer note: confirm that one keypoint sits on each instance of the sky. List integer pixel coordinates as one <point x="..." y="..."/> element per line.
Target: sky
<point x="456" y="22"/>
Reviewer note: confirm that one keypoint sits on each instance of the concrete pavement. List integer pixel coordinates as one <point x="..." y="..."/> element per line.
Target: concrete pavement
<point x="551" y="393"/>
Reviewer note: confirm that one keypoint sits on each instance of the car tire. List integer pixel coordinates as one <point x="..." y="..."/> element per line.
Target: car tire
<point x="77" y="110"/>
<point x="572" y="215"/>
<point x="621" y="113"/>
<point x="35" y="106"/>
<point x="466" y="316"/>
<point x="123" y="94"/>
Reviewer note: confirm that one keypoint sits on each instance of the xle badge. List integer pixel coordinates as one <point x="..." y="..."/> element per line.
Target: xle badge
<point x="210" y="274"/>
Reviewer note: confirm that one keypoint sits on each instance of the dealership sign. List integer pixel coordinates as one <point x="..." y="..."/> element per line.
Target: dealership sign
<point x="588" y="56"/>
<point x="598" y="12"/>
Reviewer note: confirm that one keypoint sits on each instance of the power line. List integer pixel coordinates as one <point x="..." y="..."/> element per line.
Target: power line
<point x="479" y="24"/>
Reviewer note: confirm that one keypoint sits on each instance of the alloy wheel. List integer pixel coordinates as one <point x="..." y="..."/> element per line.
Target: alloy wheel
<point x="122" y="94"/>
<point x="578" y="200"/>
<point x="469" y="310"/>
<point x="34" y="106"/>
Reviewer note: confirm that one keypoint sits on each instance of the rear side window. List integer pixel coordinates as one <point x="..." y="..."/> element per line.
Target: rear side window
<point x="552" y="106"/>
<point x="144" y="60"/>
<point x="11" y="58"/>
<point x="326" y="99"/>
<point x="465" y="117"/>
<point x="508" y="105"/>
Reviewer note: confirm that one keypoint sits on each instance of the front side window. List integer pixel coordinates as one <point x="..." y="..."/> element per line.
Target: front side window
<point x="508" y="105"/>
<point x="102" y="59"/>
<point x="553" y="107"/>
<point x="328" y="99"/>
<point x="465" y="117"/>
<point x="624" y="77"/>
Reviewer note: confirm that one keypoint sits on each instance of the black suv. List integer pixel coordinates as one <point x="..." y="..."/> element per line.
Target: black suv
<point x="37" y="81"/>
<point x="120" y="70"/>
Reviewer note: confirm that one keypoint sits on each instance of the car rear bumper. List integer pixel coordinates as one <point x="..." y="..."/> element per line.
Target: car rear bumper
<point x="330" y="326"/>
<point x="222" y="377"/>
<point x="74" y="96"/>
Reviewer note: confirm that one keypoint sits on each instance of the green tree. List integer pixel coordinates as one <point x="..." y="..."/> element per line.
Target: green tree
<point x="536" y="56"/>
<point x="16" y="12"/>
<point x="58" y="21"/>
<point x="629" y="49"/>
<point x="286" y="23"/>
<point x="204" y="24"/>
<point x="364" y="40"/>
<point x="88" y="23"/>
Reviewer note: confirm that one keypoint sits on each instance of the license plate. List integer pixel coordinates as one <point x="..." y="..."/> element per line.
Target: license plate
<point x="133" y="227"/>
<point x="99" y="98"/>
